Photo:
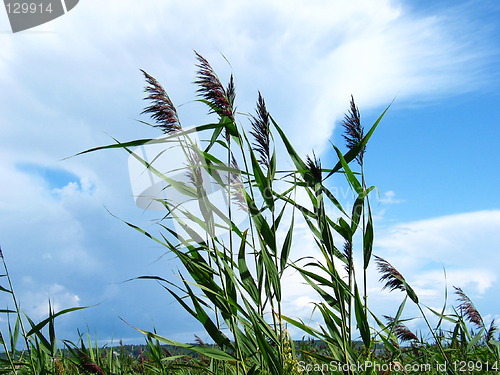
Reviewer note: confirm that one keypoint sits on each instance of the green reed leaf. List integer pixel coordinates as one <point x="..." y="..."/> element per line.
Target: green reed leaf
<point x="245" y="275"/>
<point x="263" y="183"/>
<point x="299" y="163"/>
<point x="287" y="246"/>
<point x="37" y="328"/>
<point x="351" y="177"/>
<point x="5" y="290"/>
<point x="208" y="351"/>
<point x="361" y="318"/>
<point x="368" y="239"/>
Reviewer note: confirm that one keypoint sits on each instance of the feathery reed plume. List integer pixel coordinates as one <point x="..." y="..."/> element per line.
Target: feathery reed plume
<point x="353" y="129"/>
<point x="194" y="172"/>
<point x="162" y="109"/>
<point x="199" y="341"/>
<point x="260" y="132"/>
<point x="491" y="331"/>
<point x="393" y="279"/>
<point x="212" y="90"/>
<point x="237" y="187"/>
<point x="88" y="364"/>
<point x="348" y="254"/>
<point x="468" y="309"/>
<point x="391" y="276"/>
<point x="314" y="166"/>
<point x="402" y="331"/>
<point x="231" y="93"/>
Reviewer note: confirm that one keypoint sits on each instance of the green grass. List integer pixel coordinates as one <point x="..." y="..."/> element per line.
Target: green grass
<point x="232" y="283"/>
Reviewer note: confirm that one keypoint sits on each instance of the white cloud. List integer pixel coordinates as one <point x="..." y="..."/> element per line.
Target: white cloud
<point x="309" y="56"/>
<point x="433" y="282"/>
<point x="38" y="297"/>
<point x="455" y="240"/>
<point x="438" y="253"/>
<point x="390" y="198"/>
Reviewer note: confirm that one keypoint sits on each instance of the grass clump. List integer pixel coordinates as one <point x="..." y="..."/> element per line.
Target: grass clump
<point x="233" y="234"/>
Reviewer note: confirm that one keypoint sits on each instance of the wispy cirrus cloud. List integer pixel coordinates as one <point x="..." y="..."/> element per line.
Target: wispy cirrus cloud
<point x="389" y="197"/>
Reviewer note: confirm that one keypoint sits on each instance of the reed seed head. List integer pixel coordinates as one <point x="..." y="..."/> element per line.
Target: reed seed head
<point x="468" y="309"/>
<point x="348" y="254"/>
<point x="212" y="90"/>
<point x="237" y="188"/>
<point x="162" y="109"/>
<point x="231" y="93"/>
<point x="194" y="172"/>
<point x="402" y="331"/>
<point x="314" y="166"/>
<point x="390" y="275"/>
<point x="491" y="331"/>
<point x="261" y="132"/>
<point x="199" y="341"/>
<point x="354" y="132"/>
<point x="89" y="365"/>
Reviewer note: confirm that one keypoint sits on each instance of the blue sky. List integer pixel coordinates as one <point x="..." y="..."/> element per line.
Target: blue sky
<point x="70" y="84"/>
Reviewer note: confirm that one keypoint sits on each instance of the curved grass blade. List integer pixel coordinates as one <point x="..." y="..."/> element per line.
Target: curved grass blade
<point x="38" y="327"/>
<point x="208" y="351"/>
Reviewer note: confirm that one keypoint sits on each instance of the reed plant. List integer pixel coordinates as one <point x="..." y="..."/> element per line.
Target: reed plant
<point x="235" y="257"/>
<point x="233" y="284"/>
